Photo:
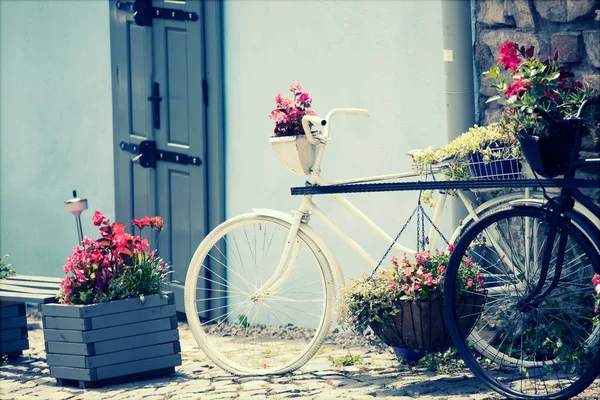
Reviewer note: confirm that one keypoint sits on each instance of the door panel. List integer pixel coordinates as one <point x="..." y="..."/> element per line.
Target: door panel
<point x="169" y="53"/>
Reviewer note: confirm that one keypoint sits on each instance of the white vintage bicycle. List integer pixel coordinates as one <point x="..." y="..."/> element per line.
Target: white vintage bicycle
<point x="263" y="278"/>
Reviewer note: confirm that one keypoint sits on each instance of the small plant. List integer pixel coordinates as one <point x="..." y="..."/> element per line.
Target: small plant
<point x="288" y="112"/>
<point x="374" y="299"/>
<point x="116" y="266"/>
<point x="443" y="362"/>
<point x="525" y="84"/>
<point x="6" y="269"/>
<point x="492" y="141"/>
<point x="346" y="361"/>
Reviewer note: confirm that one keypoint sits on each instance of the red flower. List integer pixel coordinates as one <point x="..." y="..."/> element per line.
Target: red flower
<point x="470" y="282"/>
<point x="157" y="222"/>
<point x="508" y="56"/>
<point x="395" y="260"/>
<point x="451" y="247"/>
<point x="98" y="218"/>
<point x="140" y="223"/>
<point x="517" y="88"/>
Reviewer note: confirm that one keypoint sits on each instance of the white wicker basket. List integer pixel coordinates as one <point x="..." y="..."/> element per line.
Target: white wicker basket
<point x="295" y="152"/>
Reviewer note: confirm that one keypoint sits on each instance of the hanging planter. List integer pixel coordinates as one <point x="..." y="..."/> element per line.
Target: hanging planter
<point x="403" y="305"/>
<point x="295" y="152"/>
<point x="548" y="155"/>
<point x="421" y="325"/>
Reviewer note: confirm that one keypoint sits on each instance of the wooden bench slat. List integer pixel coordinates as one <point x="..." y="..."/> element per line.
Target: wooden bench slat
<point x="27" y="298"/>
<point x="34" y="279"/>
<point x="24" y="289"/>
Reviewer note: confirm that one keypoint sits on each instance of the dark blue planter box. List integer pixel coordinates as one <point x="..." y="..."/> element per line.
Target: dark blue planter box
<point x="94" y="344"/>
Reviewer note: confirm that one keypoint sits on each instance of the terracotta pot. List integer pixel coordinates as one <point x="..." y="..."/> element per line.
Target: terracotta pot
<point x="421" y="324"/>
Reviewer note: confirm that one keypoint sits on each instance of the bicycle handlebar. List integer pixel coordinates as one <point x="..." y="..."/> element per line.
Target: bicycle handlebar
<point x="316" y="120"/>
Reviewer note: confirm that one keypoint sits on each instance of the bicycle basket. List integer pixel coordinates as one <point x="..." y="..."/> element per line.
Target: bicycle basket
<point x="494" y="162"/>
<point x="295" y="153"/>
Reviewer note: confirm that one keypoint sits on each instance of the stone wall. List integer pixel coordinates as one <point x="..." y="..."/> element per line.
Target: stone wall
<point x="571" y="27"/>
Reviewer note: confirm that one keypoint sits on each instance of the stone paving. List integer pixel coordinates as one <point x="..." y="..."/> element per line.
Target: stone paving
<point x="378" y="375"/>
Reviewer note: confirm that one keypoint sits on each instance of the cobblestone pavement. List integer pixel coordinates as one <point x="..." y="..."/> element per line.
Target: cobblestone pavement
<point x="377" y="376"/>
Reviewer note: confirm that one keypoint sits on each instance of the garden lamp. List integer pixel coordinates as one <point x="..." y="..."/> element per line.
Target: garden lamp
<point x="76" y="206"/>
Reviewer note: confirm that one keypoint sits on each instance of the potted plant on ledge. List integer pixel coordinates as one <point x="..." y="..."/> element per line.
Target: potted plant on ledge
<point x="403" y="305"/>
<point x="528" y="86"/>
<point x="289" y="141"/>
<point x="113" y="319"/>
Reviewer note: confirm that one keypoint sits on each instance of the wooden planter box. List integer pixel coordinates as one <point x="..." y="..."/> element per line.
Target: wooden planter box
<point x="13" y="329"/>
<point x="94" y="344"/>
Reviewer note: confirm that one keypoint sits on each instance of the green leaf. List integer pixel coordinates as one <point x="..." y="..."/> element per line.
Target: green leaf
<point x="493" y="98"/>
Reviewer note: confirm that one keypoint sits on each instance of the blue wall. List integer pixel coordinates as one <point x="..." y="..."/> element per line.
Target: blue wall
<point x="55" y="127"/>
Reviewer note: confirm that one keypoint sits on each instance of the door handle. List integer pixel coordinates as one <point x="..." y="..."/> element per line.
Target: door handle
<point x="155" y="99"/>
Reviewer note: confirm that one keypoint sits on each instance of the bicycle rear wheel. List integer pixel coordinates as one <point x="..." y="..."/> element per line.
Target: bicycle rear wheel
<point x="245" y="322"/>
<point x="546" y="347"/>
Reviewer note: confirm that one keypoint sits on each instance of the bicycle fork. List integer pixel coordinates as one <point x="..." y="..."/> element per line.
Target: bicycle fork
<point x="536" y="296"/>
<point x="291" y="252"/>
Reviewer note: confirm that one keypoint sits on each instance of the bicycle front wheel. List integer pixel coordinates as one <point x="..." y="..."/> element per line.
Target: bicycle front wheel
<point x="523" y="347"/>
<point x="247" y="315"/>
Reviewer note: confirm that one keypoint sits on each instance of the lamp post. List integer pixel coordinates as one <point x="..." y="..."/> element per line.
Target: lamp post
<point x="76" y="206"/>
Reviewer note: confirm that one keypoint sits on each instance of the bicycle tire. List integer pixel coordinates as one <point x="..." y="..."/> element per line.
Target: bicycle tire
<point x="547" y="349"/>
<point x="242" y="329"/>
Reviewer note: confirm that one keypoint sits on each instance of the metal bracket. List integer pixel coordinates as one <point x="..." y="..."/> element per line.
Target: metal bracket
<point x="143" y="12"/>
<point x="147" y="154"/>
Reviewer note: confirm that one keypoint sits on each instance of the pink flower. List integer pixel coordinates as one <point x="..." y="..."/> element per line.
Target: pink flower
<point x="287" y="103"/>
<point x="98" y="218"/>
<point x="304" y="97"/>
<point x="295" y="87"/>
<point x="451" y="247"/>
<point x="395" y="260"/>
<point x="550" y="94"/>
<point x="470" y="282"/>
<point x="392" y="285"/>
<point x="442" y="269"/>
<point x="278" y="99"/>
<point x="469" y="263"/>
<point x="596" y="279"/>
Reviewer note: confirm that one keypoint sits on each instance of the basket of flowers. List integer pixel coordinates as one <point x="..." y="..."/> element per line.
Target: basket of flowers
<point x="289" y="140"/>
<point x="403" y="305"/>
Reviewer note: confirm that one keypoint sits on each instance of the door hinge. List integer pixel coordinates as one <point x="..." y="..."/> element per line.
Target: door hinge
<point x="148" y="154"/>
<point x="143" y="12"/>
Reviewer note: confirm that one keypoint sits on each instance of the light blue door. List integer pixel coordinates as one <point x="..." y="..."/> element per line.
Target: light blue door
<point x="160" y="93"/>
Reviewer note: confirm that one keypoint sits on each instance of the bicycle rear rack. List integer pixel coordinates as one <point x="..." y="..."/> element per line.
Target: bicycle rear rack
<point x="444" y="185"/>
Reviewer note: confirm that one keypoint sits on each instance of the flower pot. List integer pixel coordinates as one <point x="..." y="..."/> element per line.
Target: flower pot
<point x="548" y="155"/>
<point x="13" y="329"/>
<point x="92" y="345"/>
<point x="421" y="324"/>
<point x="498" y="167"/>
<point x="295" y="152"/>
